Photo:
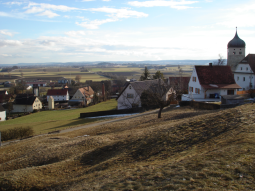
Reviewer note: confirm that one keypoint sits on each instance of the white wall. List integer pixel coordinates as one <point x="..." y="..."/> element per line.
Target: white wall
<point x="244" y="71"/>
<point x="126" y="103"/>
<point x="2" y="115"/>
<point x="37" y="104"/>
<point x="59" y="97"/>
<point x="195" y="85"/>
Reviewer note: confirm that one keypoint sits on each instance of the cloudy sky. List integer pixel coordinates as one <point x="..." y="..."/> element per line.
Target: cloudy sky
<point x="122" y="30"/>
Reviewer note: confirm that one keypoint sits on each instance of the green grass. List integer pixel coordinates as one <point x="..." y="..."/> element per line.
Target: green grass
<point x="47" y="121"/>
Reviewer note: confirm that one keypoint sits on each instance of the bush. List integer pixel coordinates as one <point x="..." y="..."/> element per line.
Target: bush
<point x="17" y="132"/>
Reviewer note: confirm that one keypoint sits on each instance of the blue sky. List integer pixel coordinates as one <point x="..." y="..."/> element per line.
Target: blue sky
<point x="122" y="30"/>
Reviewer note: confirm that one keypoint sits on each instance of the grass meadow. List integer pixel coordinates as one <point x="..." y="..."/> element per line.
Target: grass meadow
<point x="186" y="149"/>
<point x="47" y="121"/>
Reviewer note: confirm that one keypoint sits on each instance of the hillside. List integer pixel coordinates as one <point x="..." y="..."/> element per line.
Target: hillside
<point x="184" y="150"/>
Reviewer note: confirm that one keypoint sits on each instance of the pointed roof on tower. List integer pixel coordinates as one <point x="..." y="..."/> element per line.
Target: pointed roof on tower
<point x="236" y="42"/>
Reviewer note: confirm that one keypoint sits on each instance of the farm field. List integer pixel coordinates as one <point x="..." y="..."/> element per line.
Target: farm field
<point x="54" y="73"/>
<point x="186" y="149"/>
<point x="47" y="121"/>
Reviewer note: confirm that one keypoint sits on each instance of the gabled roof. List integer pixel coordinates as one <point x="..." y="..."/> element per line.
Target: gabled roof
<point x="86" y="91"/>
<point x="214" y="77"/>
<point x="140" y="86"/>
<point x="24" y="99"/>
<point x="55" y="92"/>
<point x="4" y="98"/>
<point x="249" y="59"/>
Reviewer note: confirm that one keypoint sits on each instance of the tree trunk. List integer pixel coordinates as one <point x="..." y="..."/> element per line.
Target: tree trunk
<point x="159" y="111"/>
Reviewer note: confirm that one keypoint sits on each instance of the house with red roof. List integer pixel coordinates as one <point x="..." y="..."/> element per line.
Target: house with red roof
<point x="83" y="95"/>
<point x="244" y="73"/>
<point x="209" y="83"/>
<point x="58" y="94"/>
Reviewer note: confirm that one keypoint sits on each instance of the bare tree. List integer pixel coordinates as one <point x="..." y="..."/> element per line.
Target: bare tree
<point x="220" y="61"/>
<point x="160" y="94"/>
<point x="78" y="78"/>
<point x="21" y="73"/>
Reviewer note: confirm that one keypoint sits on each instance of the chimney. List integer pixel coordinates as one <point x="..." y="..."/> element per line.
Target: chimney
<point x="210" y="64"/>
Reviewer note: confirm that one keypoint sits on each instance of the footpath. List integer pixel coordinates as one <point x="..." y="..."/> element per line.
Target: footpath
<point x="95" y="124"/>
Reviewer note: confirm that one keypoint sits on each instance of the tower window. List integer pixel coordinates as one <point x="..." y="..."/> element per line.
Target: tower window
<point x="234" y="52"/>
<point x="240" y="52"/>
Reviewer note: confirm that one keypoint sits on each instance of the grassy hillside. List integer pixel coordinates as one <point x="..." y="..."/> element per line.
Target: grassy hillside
<point x="184" y="150"/>
<point x="46" y="121"/>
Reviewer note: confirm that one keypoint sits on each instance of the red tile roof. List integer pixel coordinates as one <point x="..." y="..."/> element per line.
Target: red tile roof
<point x="86" y="91"/>
<point x="53" y="92"/>
<point x="214" y="77"/>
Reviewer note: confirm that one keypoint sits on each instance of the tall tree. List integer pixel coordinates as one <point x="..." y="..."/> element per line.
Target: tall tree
<point x="159" y="94"/>
<point x="145" y="75"/>
<point x="158" y="75"/>
<point x="78" y="78"/>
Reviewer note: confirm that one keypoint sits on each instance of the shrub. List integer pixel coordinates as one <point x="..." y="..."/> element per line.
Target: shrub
<point x="17" y="132"/>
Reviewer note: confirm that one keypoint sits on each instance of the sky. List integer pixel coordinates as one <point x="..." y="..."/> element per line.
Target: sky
<point x="122" y="30"/>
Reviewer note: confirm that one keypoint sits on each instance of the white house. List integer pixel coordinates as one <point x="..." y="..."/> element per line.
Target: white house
<point x="26" y="103"/>
<point x="130" y="95"/>
<point x="58" y="94"/>
<point x="208" y="83"/>
<point x="2" y="113"/>
<point x="84" y="95"/>
<point x="244" y="73"/>
<point x="37" y="83"/>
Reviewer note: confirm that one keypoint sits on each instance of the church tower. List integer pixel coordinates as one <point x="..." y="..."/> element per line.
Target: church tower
<point x="236" y="51"/>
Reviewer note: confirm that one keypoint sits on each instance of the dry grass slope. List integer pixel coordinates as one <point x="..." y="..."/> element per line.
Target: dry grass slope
<point x="184" y="150"/>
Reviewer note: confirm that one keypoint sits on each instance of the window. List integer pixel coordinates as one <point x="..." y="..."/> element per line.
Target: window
<point x="240" y="52"/>
<point x="241" y="68"/>
<point x="194" y="79"/>
<point x="234" y="52"/>
<point x="197" y="91"/>
<point x="130" y="95"/>
<point x="247" y="68"/>
<point x="191" y="89"/>
<point x="237" y="78"/>
<point x="243" y="89"/>
<point x="230" y="92"/>
<point x="129" y="87"/>
<point x="243" y="78"/>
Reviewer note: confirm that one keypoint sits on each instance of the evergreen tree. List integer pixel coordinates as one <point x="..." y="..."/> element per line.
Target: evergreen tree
<point x="158" y="75"/>
<point x="145" y="75"/>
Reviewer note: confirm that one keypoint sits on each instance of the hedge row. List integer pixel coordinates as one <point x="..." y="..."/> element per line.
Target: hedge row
<point x="16" y="133"/>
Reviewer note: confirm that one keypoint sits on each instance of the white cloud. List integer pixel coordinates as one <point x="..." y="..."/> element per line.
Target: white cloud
<point x="49" y="14"/>
<point x="106" y="0"/>
<point x="238" y="16"/>
<point x="95" y="24"/>
<point x="5" y="43"/>
<point x="45" y="6"/>
<point x="6" y="55"/>
<point x="7" y="33"/>
<point x="87" y="0"/>
<point x="120" y="13"/>
<point x="163" y="3"/>
<point x="13" y="3"/>
<point x="75" y="33"/>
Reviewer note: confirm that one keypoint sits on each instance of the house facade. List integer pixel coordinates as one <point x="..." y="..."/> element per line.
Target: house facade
<point x="37" y="84"/>
<point x="130" y="97"/>
<point x="2" y="113"/>
<point x="210" y="82"/>
<point x="58" y="94"/>
<point x="244" y="73"/>
<point x="26" y="103"/>
<point x="84" y="95"/>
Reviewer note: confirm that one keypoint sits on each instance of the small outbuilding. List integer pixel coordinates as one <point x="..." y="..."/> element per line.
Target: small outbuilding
<point x="232" y="100"/>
